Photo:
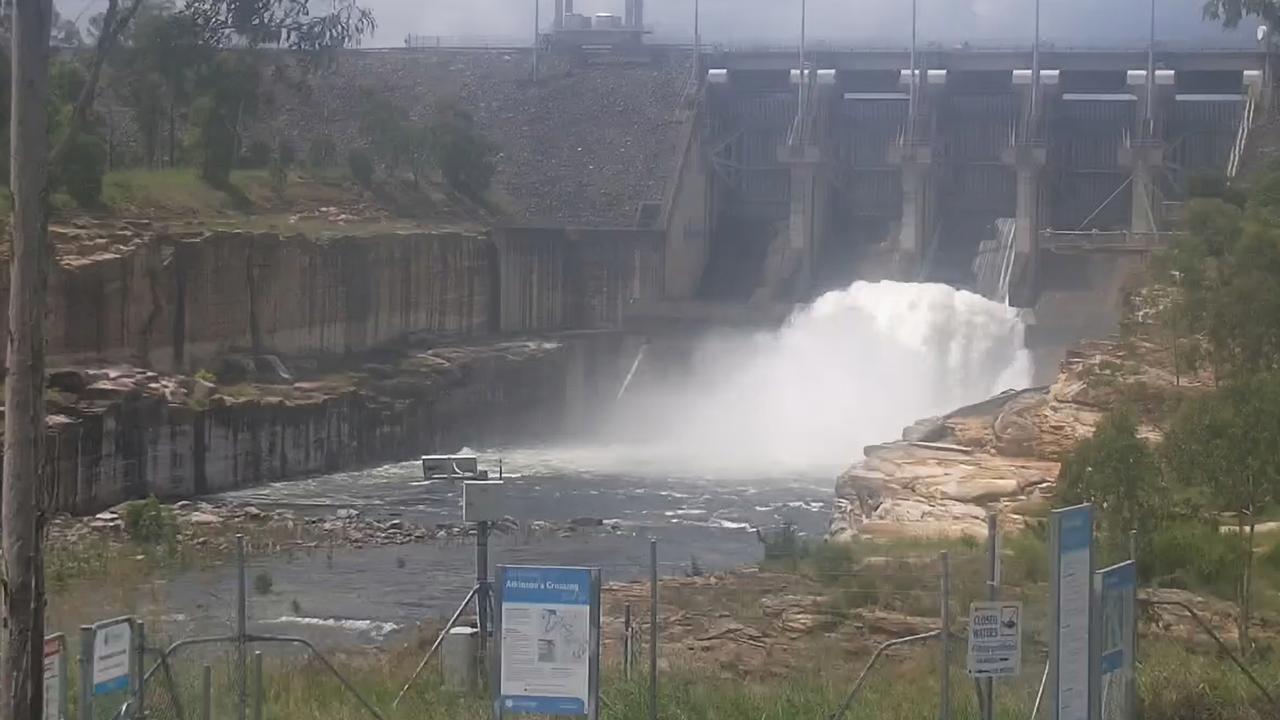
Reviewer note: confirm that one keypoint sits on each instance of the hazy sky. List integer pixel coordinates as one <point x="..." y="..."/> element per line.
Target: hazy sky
<point x="876" y="22"/>
<point x="887" y="22"/>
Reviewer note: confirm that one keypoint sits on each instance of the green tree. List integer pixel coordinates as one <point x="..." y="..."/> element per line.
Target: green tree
<point x="1224" y="448"/>
<point x="1231" y="12"/>
<point x="467" y="159"/>
<point x="1225" y="274"/>
<point x="1118" y="473"/>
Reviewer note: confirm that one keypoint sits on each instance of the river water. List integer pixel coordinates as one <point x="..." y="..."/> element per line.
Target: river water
<point x="365" y="595"/>
<point x="750" y="435"/>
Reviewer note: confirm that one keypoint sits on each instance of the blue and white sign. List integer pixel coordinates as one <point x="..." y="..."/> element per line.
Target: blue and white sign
<point x="1072" y="601"/>
<point x="112" y="655"/>
<point x="1117" y="600"/>
<point x="548" y="640"/>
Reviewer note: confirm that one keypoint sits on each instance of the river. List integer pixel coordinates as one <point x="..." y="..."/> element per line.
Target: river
<point x="366" y="595"/>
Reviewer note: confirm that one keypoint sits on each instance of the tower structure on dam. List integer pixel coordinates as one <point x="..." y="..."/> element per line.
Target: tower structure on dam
<point x="973" y="168"/>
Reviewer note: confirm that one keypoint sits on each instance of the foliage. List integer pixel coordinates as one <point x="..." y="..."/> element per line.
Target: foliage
<point x="1119" y="474"/>
<point x="321" y="153"/>
<point x="150" y="523"/>
<point x="1226" y="274"/>
<point x="1225" y="447"/>
<point x="83" y="169"/>
<point x="263" y="583"/>
<point x="467" y="159"/>
<point x="228" y="97"/>
<point x="360" y="163"/>
<point x="1231" y="12"/>
<point x="205" y="375"/>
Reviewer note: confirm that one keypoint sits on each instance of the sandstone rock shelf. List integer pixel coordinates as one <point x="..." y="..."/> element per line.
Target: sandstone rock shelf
<point x="941" y="477"/>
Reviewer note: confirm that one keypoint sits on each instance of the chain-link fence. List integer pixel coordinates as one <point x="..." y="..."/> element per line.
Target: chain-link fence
<point x="865" y="630"/>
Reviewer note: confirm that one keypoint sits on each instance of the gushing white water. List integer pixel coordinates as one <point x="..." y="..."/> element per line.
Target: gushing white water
<point x="851" y="369"/>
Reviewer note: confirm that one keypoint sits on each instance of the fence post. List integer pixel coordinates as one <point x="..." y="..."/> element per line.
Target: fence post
<point x="242" y="612"/>
<point x="944" y="700"/>
<point x="258" y="689"/>
<point x="626" y="641"/>
<point x="140" y="669"/>
<point x="85" y="707"/>
<point x="206" y="692"/>
<point x="653" y="629"/>
<point x="993" y="530"/>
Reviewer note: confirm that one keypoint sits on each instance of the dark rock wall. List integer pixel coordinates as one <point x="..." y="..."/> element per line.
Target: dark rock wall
<point x="101" y="455"/>
<point x="178" y="304"/>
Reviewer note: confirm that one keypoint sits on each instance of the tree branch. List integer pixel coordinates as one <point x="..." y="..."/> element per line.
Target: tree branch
<point x="113" y="24"/>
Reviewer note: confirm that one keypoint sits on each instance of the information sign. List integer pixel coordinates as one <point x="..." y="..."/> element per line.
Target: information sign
<point x="995" y="639"/>
<point x="550" y="637"/>
<point x="112" y="656"/>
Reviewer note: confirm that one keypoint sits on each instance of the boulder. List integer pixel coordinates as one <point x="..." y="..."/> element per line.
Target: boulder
<point x="202" y="390"/>
<point x="203" y="519"/>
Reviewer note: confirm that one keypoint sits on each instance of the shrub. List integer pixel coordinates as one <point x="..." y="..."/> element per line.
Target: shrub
<point x="206" y="376"/>
<point x="149" y="522"/>
<point x="82" y="170"/>
<point x="360" y="164"/>
<point x="321" y="153"/>
<point x="256" y="156"/>
<point x="263" y="583"/>
<point x="467" y="159"/>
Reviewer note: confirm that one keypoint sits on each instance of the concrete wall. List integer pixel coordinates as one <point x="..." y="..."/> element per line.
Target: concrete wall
<point x="573" y="278"/>
<point x="688" y="239"/>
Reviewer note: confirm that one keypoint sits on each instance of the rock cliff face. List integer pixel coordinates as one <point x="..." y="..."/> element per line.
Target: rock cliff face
<point x="176" y="302"/>
<point x="939" y="479"/>
<point x="119" y="433"/>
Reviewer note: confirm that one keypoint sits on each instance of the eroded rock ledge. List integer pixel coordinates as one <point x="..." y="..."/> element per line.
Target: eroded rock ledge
<point x="940" y="478"/>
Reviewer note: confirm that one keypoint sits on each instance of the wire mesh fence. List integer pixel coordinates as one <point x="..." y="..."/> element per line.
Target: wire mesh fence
<point x="853" y="618"/>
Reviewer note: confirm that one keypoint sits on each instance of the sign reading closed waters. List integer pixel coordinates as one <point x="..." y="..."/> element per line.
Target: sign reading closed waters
<point x="549" y="630"/>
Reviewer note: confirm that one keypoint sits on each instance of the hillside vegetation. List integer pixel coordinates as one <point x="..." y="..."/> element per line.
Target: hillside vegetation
<point x="1195" y="469"/>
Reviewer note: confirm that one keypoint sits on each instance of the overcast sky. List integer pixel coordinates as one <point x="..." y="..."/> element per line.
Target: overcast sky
<point x="870" y="22"/>
<point x="887" y="22"/>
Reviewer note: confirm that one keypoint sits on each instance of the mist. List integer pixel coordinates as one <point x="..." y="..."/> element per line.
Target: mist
<point x="878" y="23"/>
<point x="850" y="370"/>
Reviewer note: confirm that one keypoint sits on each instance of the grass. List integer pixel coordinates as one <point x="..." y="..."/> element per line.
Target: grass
<point x="1174" y="685"/>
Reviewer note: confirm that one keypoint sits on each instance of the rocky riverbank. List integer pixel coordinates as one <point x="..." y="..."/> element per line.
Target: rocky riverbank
<point x="943" y="475"/>
<point x="214" y="525"/>
<point x="119" y="432"/>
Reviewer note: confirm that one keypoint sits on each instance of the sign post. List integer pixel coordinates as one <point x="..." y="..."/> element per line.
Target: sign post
<point x="1070" y="595"/>
<point x="995" y="639"/>
<point x="55" y="677"/>
<point x="548" y="641"/>
<point x="112" y="656"/>
<point x="1116" y="595"/>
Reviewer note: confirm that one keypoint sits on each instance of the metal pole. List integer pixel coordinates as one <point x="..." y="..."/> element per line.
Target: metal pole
<point x="206" y="693"/>
<point x="944" y="700"/>
<point x="697" y="35"/>
<point x="537" y="41"/>
<point x="1035" y="67"/>
<point x="1133" y="639"/>
<point x="140" y="669"/>
<point x="1151" y="68"/>
<point x="482" y="585"/>
<point x="85" y="707"/>
<point x="804" y="95"/>
<point x="242" y="620"/>
<point x="911" y="97"/>
<point x="988" y="690"/>
<point x="626" y="641"/>
<point x="258" y="689"/>
<point x="653" y="629"/>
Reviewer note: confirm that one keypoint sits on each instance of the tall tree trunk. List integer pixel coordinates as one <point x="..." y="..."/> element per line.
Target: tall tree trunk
<point x="21" y="669"/>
